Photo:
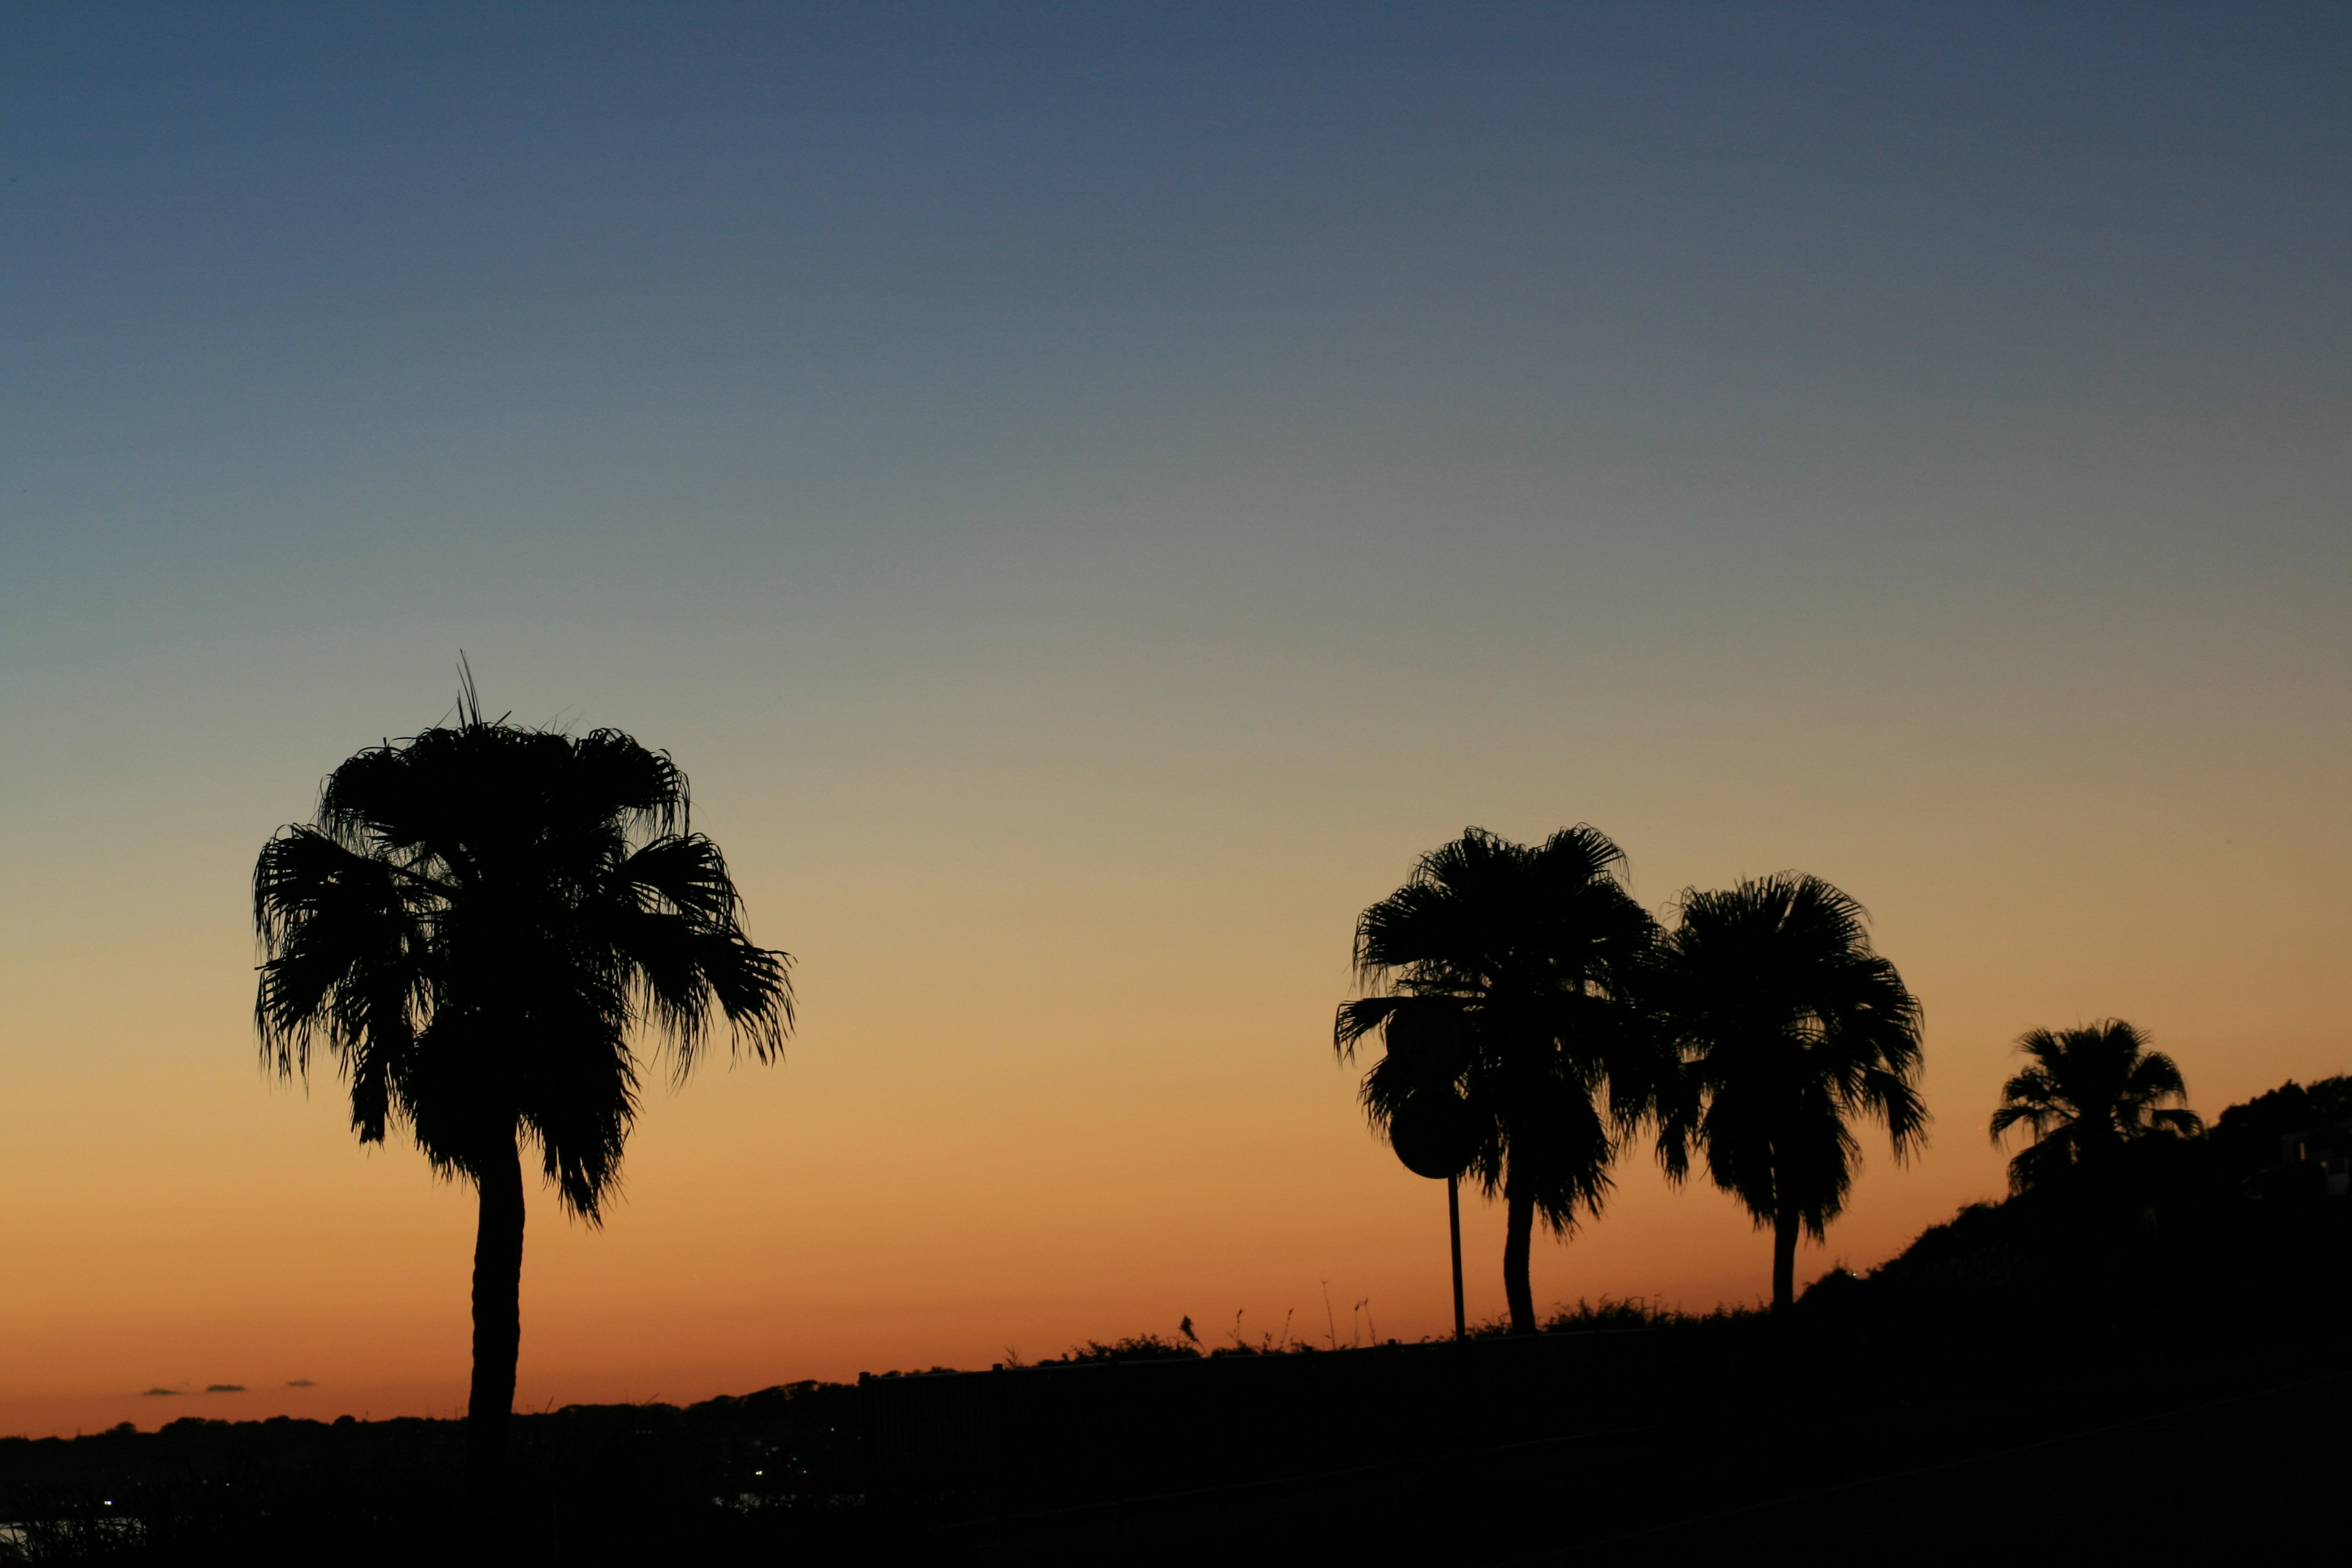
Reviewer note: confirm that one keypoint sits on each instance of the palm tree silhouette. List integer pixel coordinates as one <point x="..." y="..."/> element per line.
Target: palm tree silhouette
<point x="2090" y="1091"/>
<point x="1790" y="1026"/>
<point x="481" y="918"/>
<point x="1502" y="976"/>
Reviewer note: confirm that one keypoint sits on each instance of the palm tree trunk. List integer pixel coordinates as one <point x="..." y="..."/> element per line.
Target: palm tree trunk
<point x="498" y="1311"/>
<point x="1521" y="1209"/>
<point x="1784" y="1259"/>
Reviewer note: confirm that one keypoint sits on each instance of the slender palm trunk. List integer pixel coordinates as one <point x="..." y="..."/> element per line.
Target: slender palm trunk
<point x="1516" y="1238"/>
<point x="498" y="1311"/>
<point x="1784" y="1257"/>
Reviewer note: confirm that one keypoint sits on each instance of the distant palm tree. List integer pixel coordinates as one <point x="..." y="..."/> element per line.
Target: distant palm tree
<point x="1790" y="1026"/>
<point x="1504" y="975"/>
<point x="480" y="921"/>
<point x="2090" y="1091"/>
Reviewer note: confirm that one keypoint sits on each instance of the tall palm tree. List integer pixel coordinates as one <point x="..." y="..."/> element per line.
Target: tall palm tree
<point x="2090" y="1091"/>
<point x="479" y="923"/>
<point x="1789" y="1026"/>
<point x="1501" y="973"/>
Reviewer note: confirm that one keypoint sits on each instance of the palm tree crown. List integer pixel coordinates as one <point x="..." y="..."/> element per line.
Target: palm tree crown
<point x="2089" y="1091"/>
<point x="1790" y="1025"/>
<point x="478" y="924"/>
<point x="1502" y="974"/>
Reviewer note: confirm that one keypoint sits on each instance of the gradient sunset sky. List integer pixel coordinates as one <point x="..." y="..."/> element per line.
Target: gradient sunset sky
<point x="1089" y="493"/>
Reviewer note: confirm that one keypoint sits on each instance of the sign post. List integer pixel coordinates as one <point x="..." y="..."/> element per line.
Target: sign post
<point x="1454" y="1219"/>
<point x="1436" y="1134"/>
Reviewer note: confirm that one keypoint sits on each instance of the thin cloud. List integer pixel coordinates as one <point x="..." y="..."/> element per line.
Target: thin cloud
<point x="160" y="1393"/>
<point x="302" y="1383"/>
<point x="226" y="1388"/>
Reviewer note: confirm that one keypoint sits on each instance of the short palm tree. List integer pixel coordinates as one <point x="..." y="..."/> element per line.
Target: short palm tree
<point x="2090" y="1091"/>
<point x="1789" y="1026"/>
<point x="1502" y="974"/>
<point x="479" y="924"/>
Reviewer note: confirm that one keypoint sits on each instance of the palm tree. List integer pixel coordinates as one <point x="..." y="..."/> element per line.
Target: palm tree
<point x="1789" y="1026"/>
<point x="2090" y="1091"/>
<point x="1501" y="975"/>
<point x="480" y="921"/>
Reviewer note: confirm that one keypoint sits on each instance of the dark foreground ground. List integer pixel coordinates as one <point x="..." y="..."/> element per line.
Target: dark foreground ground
<point x="2018" y="1385"/>
<point x="2243" y="1459"/>
<point x="2236" y="1455"/>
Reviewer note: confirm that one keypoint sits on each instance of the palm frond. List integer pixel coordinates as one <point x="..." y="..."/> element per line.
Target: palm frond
<point x="1789" y="1025"/>
<point x="479" y="923"/>
<point x="2091" y="1090"/>
<point x="1508" y="973"/>
<point x="1359" y="1018"/>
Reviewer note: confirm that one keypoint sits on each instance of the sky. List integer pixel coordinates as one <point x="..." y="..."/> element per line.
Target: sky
<point x="1088" y="494"/>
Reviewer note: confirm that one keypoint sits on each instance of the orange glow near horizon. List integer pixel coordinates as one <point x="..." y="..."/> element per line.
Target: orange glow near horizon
<point x="1092" y="1117"/>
